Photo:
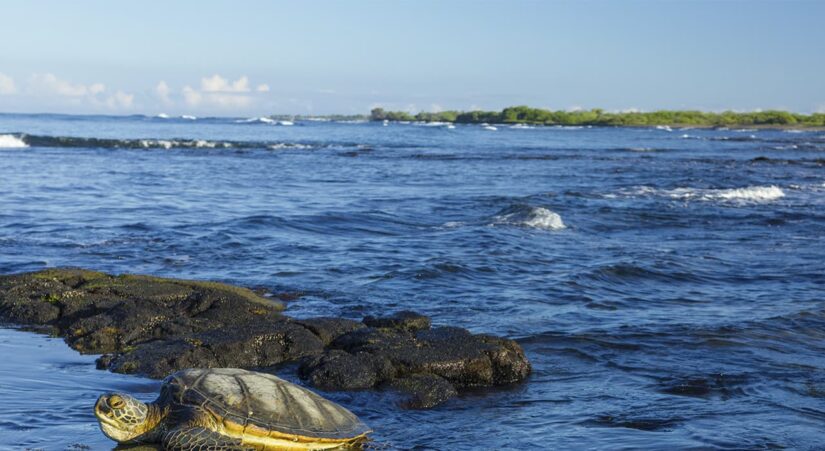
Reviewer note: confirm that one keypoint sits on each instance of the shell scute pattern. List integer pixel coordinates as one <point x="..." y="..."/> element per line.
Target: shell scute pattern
<point x="262" y="404"/>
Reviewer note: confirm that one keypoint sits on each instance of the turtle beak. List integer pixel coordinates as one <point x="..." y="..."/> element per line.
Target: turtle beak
<point x="102" y="410"/>
<point x="101" y="406"/>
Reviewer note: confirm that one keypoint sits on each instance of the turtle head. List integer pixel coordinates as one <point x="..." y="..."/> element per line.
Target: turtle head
<point x="122" y="417"/>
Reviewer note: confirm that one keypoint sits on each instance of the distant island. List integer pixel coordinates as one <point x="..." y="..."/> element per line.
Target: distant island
<point x="595" y="117"/>
<point x="598" y="117"/>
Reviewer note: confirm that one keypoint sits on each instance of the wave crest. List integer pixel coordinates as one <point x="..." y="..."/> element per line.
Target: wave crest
<point x="263" y="120"/>
<point x="12" y="142"/>
<point x="532" y="217"/>
<point x="746" y="194"/>
<point x="256" y="120"/>
<point x="752" y="193"/>
<point x="23" y="140"/>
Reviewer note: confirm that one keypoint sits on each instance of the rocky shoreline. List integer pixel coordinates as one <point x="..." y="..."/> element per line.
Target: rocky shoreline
<point x="153" y="326"/>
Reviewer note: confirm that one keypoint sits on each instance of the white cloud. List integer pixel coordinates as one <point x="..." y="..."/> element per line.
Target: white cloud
<point x="94" y="95"/>
<point x="219" y="92"/>
<point x="216" y="83"/>
<point x="229" y="100"/>
<point x="120" y="99"/>
<point x="195" y="98"/>
<point x="7" y="85"/>
<point x="96" y="88"/>
<point x="163" y="91"/>
<point x="436" y="108"/>
<point x="191" y="96"/>
<point x="50" y="84"/>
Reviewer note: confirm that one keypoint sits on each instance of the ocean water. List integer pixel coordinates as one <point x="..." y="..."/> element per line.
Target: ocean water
<point x="668" y="285"/>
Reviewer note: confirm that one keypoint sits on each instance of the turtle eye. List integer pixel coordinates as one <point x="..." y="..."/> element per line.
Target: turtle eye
<point x="116" y="402"/>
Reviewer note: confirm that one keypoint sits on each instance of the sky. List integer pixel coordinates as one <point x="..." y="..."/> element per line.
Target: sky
<point x="323" y="57"/>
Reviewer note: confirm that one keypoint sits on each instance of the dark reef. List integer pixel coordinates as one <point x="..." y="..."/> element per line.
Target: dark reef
<point x="153" y="326"/>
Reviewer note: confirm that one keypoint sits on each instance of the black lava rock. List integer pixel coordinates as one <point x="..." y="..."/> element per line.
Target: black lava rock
<point x="154" y="326"/>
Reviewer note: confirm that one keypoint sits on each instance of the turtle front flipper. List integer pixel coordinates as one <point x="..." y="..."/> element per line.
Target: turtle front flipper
<point x="198" y="438"/>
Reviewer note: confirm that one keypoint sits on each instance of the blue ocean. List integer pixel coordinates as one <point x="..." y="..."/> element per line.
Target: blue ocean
<point x="667" y="284"/>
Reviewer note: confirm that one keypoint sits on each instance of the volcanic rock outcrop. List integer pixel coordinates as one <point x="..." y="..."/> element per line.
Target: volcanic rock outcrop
<point x="153" y="326"/>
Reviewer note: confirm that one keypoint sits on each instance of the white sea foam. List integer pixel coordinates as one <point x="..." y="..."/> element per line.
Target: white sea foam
<point x="254" y="120"/>
<point x="162" y="116"/>
<point x="750" y="194"/>
<point x="450" y="126"/>
<point x="12" y="142"/>
<point x="208" y="144"/>
<point x="279" y="146"/>
<point x="664" y="127"/>
<point x="286" y="123"/>
<point x="490" y="127"/>
<point x="169" y="144"/>
<point x="522" y="127"/>
<point x="533" y="217"/>
<point x="188" y="117"/>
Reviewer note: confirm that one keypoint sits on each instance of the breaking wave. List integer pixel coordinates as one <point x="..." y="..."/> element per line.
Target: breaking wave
<point x="278" y="146"/>
<point x="256" y="120"/>
<point x="752" y="193"/>
<point x="746" y="194"/>
<point x="263" y="120"/>
<point x="12" y="142"/>
<point x="23" y="140"/>
<point x="532" y="217"/>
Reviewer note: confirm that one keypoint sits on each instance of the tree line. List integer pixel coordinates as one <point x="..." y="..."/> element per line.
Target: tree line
<point x="598" y="117"/>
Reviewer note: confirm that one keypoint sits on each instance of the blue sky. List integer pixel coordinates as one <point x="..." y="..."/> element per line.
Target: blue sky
<point x="261" y="57"/>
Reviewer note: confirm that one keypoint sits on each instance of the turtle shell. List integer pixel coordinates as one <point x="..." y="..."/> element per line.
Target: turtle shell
<point x="261" y="403"/>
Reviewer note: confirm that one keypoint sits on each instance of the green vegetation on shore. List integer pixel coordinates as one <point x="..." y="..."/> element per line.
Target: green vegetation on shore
<point x="538" y="116"/>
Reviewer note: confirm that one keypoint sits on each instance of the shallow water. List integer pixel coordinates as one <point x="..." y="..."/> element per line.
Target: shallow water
<point x="668" y="287"/>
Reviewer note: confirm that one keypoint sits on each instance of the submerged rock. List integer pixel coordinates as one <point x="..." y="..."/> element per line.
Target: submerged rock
<point x="424" y="390"/>
<point x="154" y="326"/>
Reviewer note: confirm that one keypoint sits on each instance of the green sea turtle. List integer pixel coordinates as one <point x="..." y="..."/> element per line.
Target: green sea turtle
<point x="230" y="409"/>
